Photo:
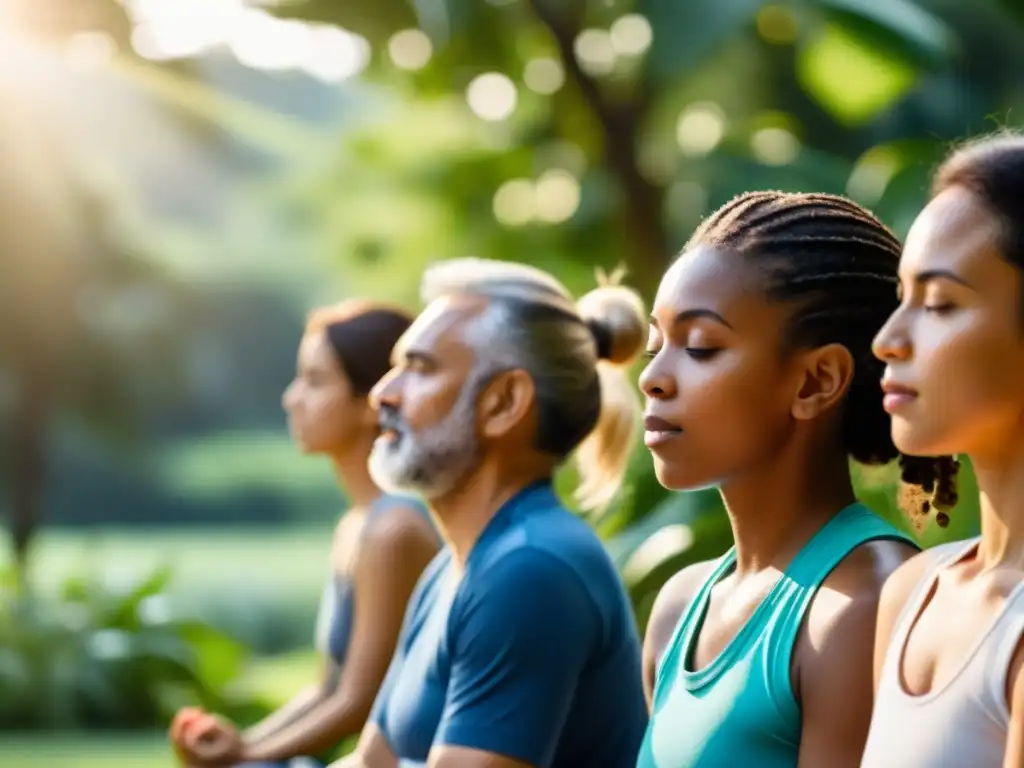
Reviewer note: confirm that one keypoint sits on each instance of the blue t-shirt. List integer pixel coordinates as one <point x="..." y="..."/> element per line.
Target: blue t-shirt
<point x="533" y="654"/>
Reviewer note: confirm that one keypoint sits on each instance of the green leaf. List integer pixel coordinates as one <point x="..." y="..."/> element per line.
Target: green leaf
<point x="87" y="661"/>
<point x="118" y="605"/>
<point x="219" y="658"/>
<point x="97" y="688"/>
<point x="851" y="78"/>
<point x="438" y="18"/>
<point x="710" y="535"/>
<point x="677" y="508"/>
<point x="687" y="32"/>
<point x="902" y="27"/>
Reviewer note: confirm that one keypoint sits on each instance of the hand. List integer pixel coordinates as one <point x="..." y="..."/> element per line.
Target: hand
<point x="185" y="717"/>
<point x="202" y="739"/>
<point x="181" y="723"/>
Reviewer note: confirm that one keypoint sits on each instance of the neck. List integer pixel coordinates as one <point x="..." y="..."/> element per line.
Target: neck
<point x="351" y="467"/>
<point x="465" y="512"/>
<point x="775" y="511"/>
<point x="1001" y="486"/>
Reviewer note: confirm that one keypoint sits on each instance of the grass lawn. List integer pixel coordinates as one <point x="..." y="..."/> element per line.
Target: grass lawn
<point x="86" y="752"/>
<point x="285" y="560"/>
<point x="276" y="679"/>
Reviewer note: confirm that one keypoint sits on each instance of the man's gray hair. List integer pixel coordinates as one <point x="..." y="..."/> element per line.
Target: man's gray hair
<point x="585" y="402"/>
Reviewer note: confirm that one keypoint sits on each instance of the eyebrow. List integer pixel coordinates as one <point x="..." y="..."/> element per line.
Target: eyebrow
<point x="927" y="276"/>
<point x="410" y="355"/>
<point x="693" y="314"/>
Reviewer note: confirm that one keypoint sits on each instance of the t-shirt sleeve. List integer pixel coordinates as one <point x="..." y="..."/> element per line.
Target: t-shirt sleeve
<point x="379" y="712"/>
<point x="518" y="642"/>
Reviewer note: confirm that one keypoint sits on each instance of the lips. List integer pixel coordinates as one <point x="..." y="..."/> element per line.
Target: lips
<point x="897" y="396"/>
<point x="658" y="424"/>
<point x="658" y="431"/>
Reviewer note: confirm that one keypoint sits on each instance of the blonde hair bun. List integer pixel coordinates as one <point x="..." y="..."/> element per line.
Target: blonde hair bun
<point x="615" y="316"/>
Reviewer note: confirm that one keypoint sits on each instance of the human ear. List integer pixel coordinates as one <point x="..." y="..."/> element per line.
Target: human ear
<point x="827" y="373"/>
<point x="505" y="403"/>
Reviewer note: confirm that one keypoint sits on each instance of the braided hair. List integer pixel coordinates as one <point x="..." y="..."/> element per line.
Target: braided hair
<point x="837" y="264"/>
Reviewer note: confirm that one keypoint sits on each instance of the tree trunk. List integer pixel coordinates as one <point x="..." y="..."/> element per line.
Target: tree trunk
<point x="28" y="457"/>
<point x="646" y="238"/>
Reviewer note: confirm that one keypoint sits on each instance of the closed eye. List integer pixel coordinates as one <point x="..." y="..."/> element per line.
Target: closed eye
<point x="702" y="353"/>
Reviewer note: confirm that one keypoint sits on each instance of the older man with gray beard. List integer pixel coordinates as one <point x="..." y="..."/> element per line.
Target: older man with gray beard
<point x="519" y="647"/>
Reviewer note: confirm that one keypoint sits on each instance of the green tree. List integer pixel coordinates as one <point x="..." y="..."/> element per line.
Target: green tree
<point x="666" y="110"/>
<point x="70" y="277"/>
<point x="629" y="70"/>
<point x="582" y="133"/>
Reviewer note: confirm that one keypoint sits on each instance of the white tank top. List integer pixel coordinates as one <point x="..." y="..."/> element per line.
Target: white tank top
<point x="964" y="721"/>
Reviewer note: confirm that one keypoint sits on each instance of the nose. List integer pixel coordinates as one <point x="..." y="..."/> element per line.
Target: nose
<point x="657" y="381"/>
<point x="892" y="342"/>
<point x="288" y="397"/>
<point x="386" y="391"/>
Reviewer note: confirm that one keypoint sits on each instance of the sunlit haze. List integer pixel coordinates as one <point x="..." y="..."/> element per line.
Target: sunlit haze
<point x="174" y="29"/>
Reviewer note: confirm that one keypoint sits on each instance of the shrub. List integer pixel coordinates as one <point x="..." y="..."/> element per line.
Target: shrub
<point x="107" y="653"/>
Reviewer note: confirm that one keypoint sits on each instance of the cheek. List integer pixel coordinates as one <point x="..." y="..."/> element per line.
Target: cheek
<point x="733" y="416"/>
<point x="325" y="414"/>
<point x="728" y="392"/>
<point x="428" y="400"/>
<point x="970" y="383"/>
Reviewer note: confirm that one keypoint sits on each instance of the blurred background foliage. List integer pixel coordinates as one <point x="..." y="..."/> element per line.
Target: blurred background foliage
<point x="183" y="179"/>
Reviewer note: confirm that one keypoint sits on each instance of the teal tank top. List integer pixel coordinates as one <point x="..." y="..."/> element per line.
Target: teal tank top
<point x="740" y="709"/>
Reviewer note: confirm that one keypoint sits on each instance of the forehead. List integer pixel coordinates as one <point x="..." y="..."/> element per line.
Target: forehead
<point x="440" y="328"/>
<point x="954" y="232"/>
<point x="315" y="351"/>
<point x="712" y="278"/>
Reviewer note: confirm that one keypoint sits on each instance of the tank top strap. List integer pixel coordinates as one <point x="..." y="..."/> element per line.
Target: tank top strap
<point x="387" y="501"/>
<point x="1004" y="637"/>
<point x="334" y="618"/>
<point x="944" y="554"/>
<point x="682" y="635"/>
<point x="852" y="526"/>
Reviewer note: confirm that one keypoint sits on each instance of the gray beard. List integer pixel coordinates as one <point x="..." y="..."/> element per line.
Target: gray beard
<point x="430" y="464"/>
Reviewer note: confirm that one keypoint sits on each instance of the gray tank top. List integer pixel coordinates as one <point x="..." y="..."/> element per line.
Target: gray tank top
<point x="334" y="621"/>
<point x="962" y="722"/>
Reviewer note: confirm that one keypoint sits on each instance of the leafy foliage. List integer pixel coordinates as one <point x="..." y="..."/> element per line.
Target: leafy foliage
<point x="856" y="96"/>
<point x="105" y="654"/>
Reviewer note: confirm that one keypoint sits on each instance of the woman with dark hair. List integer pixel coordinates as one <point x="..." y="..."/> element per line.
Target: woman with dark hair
<point x="380" y="547"/>
<point x="949" y="661"/>
<point x="762" y="383"/>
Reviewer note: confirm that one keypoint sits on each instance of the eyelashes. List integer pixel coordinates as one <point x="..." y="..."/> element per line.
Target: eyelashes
<point x="702" y="353"/>
<point x="697" y="353"/>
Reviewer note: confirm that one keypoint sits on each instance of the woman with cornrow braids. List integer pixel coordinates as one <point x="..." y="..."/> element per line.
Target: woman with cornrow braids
<point x="950" y="662"/>
<point x="762" y="383"/>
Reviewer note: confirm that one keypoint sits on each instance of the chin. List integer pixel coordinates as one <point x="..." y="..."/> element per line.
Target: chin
<point x="385" y="480"/>
<point x="913" y="442"/>
<point x="314" y="449"/>
<point x="389" y="473"/>
<point x="678" y="479"/>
